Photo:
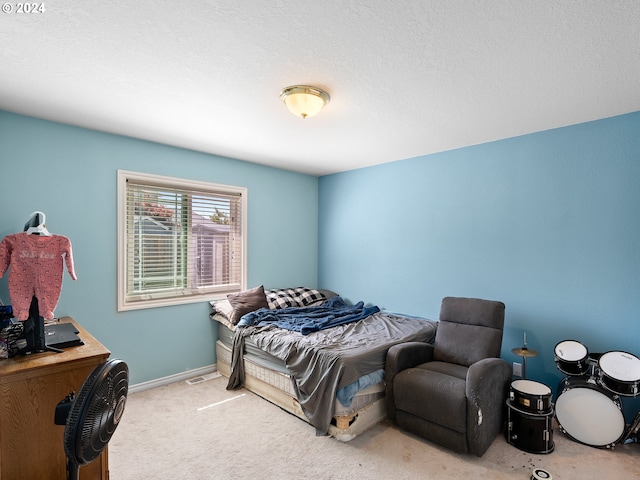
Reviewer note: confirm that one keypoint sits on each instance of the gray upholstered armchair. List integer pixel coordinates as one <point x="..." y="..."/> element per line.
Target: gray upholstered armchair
<point x="454" y="391"/>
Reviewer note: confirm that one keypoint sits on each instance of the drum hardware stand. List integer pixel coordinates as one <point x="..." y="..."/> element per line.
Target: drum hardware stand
<point x="593" y="361"/>
<point x="592" y="377"/>
<point x="524" y="352"/>
<point x="632" y="433"/>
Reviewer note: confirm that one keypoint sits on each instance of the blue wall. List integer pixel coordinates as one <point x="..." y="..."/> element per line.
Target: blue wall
<point x="548" y="223"/>
<point x="69" y="173"/>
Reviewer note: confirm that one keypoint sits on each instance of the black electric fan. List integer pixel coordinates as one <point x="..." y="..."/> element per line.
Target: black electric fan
<point x="91" y="417"/>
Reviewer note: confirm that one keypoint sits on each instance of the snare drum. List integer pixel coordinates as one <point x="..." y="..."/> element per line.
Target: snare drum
<point x="620" y="373"/>
<point x="530" y="396"/>
<point x="589" y="414"/>
<point x="530" y="432"/>
<point x="572" y="357"/>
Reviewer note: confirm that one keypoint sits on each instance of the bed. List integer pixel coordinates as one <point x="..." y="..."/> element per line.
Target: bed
<point x="328" y="373"/>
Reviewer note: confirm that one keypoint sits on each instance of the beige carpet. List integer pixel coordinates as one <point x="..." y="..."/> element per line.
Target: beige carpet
<point x="203" y="431"/>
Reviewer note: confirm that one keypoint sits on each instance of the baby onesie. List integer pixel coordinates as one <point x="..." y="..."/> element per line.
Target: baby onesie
<point x="37" y="264"/>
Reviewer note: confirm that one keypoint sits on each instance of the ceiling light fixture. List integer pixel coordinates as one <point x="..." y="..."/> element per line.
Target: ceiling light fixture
<point x="304" y="101"/>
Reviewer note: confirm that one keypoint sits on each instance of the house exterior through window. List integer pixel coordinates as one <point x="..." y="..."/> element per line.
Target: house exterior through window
<point x="179" y="240"/>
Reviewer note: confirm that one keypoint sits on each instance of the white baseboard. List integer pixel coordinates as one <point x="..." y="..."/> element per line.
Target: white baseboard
<point x="158" y="382"/>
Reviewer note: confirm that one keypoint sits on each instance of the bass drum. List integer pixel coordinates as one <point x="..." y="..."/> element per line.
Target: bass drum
<point x="572" y="357"/>
<point x="589" y="414"/>
<point x="620" y="373"/>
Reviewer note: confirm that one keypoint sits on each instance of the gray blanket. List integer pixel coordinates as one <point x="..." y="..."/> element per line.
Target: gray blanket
<point x="323" y="362"/>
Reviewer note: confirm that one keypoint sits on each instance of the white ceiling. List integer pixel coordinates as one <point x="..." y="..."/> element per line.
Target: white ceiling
<point x="406" y="78"/>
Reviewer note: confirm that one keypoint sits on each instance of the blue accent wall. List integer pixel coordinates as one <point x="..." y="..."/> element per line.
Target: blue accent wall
<point x="69" y="173"/>
<point x="548" y="223"/>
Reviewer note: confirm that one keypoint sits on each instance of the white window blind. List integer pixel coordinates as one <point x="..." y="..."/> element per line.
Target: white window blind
<point x="180" y="240"/>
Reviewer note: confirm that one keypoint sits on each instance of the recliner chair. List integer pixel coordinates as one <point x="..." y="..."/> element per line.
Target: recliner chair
<point x="453" y="392"/>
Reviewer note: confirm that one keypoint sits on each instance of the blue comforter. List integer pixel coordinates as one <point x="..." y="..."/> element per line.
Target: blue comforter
<point x="305" y="320"/>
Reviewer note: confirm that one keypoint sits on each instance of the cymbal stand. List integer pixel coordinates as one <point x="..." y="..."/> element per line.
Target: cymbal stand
<point x="632" y="432"/>
<point x="524" y="352"/>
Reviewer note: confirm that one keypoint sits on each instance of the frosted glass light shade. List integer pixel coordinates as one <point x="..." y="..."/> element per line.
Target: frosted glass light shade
<point x="304" y="101"/>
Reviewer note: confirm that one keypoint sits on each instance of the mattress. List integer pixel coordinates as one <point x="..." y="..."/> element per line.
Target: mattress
<point x="266" y="383"/>
<point x="272" y="371"/>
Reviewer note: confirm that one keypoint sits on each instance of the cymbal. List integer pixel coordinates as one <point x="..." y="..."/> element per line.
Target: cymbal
<point x="524" y="352"/>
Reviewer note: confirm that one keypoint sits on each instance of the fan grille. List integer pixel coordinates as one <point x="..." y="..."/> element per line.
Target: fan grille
<point x="96" y="412"/>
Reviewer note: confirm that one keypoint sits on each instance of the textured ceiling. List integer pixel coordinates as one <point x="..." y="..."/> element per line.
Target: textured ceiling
<point x="406" y="78"/>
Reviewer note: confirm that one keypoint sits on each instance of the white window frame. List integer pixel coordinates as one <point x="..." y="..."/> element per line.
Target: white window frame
<point x="147" y="301"/>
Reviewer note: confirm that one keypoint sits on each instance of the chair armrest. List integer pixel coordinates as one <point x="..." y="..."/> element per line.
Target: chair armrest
<point x="486" y="390"/>
<point x="400" y="357"/>
<point x="407" y="355"/>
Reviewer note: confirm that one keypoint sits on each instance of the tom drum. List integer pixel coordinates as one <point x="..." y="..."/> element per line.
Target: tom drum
<point x="589" y="414"/>
<point x="572" y="357"/>
<point x="620" y="373"/>
<point x="530" y="396"/>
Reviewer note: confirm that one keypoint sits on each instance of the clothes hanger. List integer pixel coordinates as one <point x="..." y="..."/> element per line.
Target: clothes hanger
<point x="36" y="224"/>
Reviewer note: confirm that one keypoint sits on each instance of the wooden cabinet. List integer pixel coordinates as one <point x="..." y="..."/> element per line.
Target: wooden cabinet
<point x="31" y="444"/>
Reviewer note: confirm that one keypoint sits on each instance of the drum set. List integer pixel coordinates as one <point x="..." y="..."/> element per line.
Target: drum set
<point x="588" y="407"/>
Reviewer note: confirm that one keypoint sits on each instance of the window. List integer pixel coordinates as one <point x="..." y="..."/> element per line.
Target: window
<point x="179" y="241"/>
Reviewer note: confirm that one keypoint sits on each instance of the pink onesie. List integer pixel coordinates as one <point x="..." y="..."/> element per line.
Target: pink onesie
<point x="36" y="270"/>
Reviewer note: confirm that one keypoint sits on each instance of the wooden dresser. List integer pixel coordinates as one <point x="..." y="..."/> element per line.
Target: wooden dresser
<point x="31" y="444"/>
